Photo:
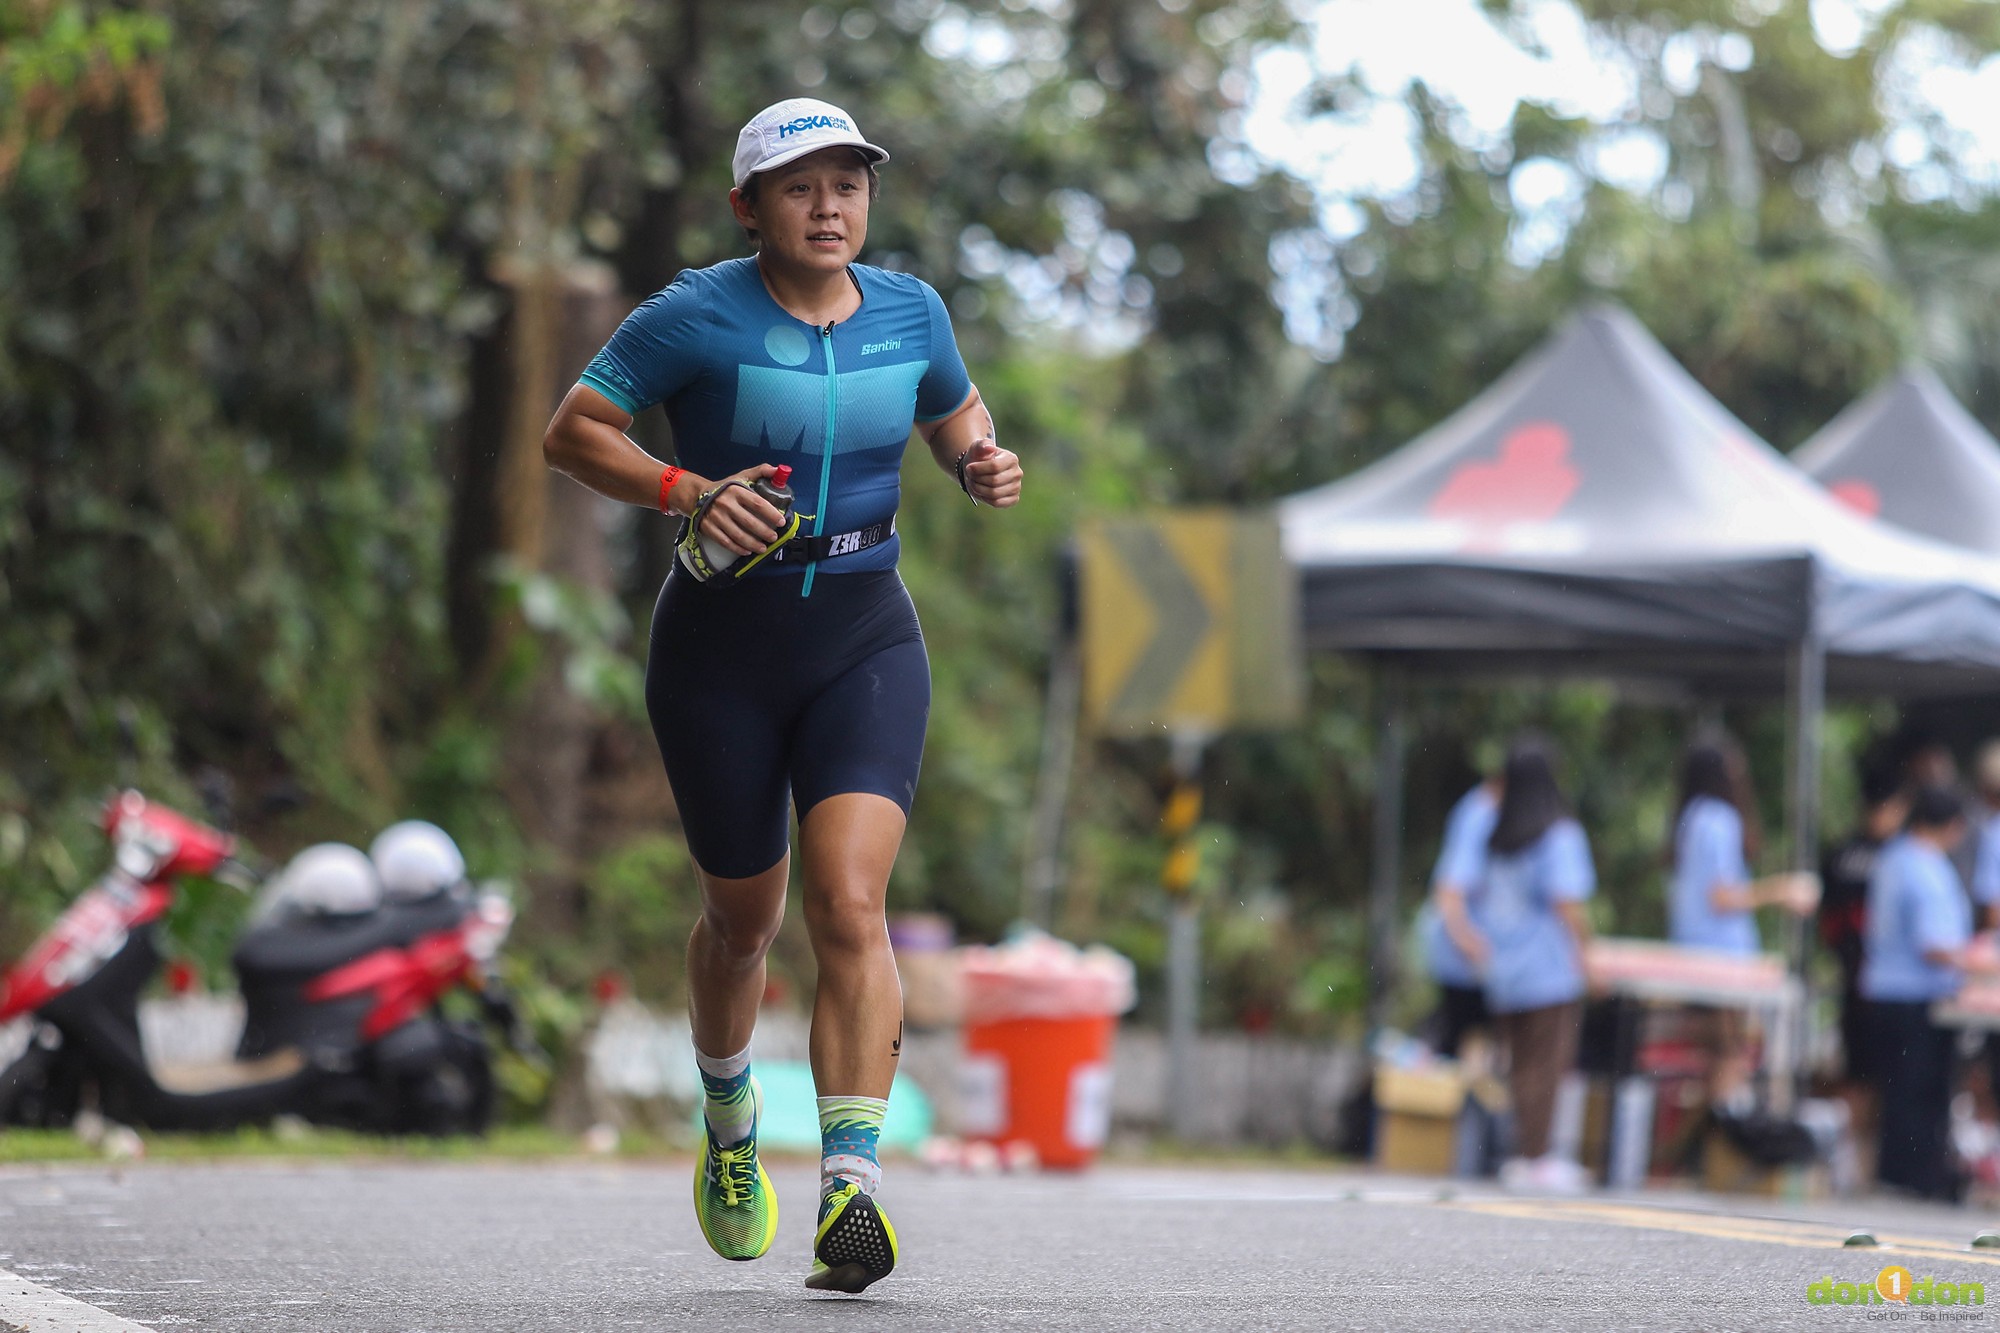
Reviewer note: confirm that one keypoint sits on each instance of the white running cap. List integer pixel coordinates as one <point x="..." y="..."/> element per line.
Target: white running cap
<point x="415" y="860"/>
<point x="788" y="130"/>
<point x="329" y="877"/>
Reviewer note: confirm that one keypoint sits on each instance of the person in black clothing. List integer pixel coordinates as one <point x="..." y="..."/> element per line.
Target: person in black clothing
<point x="1843" y="904"/>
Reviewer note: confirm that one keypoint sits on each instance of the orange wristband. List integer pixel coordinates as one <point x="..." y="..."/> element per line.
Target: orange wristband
<point x="667" y="480"/>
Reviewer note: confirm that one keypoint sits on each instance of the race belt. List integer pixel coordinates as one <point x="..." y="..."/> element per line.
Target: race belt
<point x="830" y="544"/>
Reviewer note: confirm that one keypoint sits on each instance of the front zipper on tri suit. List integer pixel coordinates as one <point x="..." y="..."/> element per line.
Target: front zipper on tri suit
<point x="826" y="451"/>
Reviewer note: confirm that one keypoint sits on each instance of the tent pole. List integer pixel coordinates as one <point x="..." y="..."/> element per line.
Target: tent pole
<point x="1805" y="689"/>
<point x="1045" y="822"/>
<point x="1386" y="863"/>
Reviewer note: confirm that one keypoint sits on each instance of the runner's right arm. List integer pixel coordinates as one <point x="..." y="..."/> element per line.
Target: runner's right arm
<point x="653" y="355"/>
<point x="586" y="441"/>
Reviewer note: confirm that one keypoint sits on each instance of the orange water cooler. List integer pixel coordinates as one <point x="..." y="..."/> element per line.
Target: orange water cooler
<point x="1045" y="1082"/>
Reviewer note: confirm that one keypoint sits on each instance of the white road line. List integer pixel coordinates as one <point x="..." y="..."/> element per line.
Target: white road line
<point x="40" y="1310"/>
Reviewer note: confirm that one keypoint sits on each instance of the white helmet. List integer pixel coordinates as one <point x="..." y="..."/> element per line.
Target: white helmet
<point x="330" y="877"/>
<point x="415" y="860"/>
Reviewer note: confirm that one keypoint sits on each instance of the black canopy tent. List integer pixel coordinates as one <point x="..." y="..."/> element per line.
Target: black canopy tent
<point x="1596" y="512"/>
<point x="1910" y="455"/>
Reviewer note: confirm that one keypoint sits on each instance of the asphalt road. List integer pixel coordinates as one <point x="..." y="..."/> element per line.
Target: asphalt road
<point x="399" y="1248"/>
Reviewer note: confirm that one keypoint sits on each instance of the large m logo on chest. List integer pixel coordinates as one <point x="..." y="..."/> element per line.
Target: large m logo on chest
<point x="786" y="409"/>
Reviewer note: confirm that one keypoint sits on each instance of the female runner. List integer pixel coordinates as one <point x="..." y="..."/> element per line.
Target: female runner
<point x="803" y="683"/>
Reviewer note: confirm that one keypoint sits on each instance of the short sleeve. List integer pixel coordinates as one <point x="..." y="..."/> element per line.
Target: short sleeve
<point x="1570" y="875"/>
<point x="1717" y="835"/>
<point x="1936" y="921"/>
<point x="945" y="385"/>
<point x="652" y="356"/>
<point x="1986" y="867"/>
<point x="1463" y="855"/>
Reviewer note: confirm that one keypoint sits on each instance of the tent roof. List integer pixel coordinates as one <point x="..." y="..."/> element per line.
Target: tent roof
<point x="1596" y="510"/>
<point x="1910" y="455"/>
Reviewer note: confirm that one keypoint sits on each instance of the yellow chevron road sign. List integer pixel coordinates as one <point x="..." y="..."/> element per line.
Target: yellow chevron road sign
<point x="1190" y="622"/>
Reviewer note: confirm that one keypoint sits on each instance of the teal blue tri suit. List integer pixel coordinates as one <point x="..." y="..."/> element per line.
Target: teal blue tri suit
<point x="807" y="679"/>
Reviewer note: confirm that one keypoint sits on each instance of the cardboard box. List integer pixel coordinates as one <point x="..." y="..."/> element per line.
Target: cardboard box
<point x="1724" y="1170"/>
<point x="1416" y="1118"/>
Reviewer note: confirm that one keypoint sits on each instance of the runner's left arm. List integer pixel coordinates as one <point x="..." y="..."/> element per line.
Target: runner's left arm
<point x="954" y="421"/>
<point x="992" y="474"/>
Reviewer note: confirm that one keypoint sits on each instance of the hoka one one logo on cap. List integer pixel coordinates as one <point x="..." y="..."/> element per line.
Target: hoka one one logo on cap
<point x="804" y="123"/>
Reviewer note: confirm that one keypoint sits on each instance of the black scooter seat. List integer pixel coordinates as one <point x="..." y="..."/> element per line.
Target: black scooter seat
<point x="303" y="944"/>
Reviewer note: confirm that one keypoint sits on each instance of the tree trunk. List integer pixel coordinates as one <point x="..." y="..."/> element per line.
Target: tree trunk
<point x="557" y="527"/>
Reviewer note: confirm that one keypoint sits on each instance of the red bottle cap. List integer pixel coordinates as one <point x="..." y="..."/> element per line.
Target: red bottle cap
<point x="781" y="475"/>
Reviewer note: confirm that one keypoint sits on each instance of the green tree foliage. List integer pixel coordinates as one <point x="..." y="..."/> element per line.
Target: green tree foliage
<point x="265" y="264"/>
<point x="237" y="311"/>
<point x="252" y="252"/>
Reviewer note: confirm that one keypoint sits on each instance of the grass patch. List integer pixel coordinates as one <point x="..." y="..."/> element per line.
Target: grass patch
<point x="511" y="1142"/>
<point x="44" y="1145"/>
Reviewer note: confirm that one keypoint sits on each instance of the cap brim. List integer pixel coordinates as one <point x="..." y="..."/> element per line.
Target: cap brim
<point x="875" y="155"/>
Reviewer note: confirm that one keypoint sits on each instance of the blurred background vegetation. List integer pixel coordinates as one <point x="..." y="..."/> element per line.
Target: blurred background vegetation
<point x="288" y="290"/>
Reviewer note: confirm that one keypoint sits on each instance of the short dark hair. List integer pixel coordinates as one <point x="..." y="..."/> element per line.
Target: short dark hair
<point x="1936" y="808"/>
<point x="1881" y="781"/>
<point x="753" y="185"/>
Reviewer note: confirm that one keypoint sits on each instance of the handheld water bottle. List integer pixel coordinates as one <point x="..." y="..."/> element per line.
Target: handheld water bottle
<point x="777" y="489"/>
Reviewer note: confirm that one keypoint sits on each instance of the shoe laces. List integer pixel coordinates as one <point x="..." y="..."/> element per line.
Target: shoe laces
<point x="834" y="1197"/>
<point x="736" y="1172"/>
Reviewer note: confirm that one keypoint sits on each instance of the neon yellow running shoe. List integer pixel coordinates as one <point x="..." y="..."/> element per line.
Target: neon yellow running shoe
<point x="855" y="1246"/>
<point x="733" y="1198"/>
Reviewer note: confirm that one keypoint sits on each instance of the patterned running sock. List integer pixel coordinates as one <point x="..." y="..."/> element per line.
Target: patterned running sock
<point x="726" y="1100"/>
<point x="848" y="1130"/>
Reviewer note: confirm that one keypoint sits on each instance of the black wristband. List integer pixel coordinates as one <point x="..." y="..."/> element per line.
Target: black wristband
<point x="958" y="467"/>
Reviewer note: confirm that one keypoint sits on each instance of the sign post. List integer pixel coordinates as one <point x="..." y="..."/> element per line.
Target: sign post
<point x="1190" y="620"/>
<point x="1177" y="877"/>
<point x="1190" y="625"/>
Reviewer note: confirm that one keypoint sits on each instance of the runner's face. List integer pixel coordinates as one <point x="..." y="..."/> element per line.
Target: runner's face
<point x="813" y="213"/>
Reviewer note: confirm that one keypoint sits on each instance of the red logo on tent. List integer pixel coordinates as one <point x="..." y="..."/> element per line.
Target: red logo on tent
<point x="1531" y="480"/>
<point x="1858" y="495"/>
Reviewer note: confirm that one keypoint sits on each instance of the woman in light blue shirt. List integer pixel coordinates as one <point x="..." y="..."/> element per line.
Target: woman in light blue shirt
<point x="1453" y="949"/>
<point x="1528" y="920"/>
<point x="1712" y="901"/>
<point x="1913" y="955"/>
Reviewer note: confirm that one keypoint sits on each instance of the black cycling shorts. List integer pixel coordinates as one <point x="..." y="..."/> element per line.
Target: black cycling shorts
<point x="761" y="699"/>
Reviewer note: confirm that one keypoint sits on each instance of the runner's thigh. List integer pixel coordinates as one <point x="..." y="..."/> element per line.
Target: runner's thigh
<point x="865" y="731"/>
<point x="720" y="714"/>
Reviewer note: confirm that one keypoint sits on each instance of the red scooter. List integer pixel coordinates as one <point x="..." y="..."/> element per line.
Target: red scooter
<point x="344" y="1024"/>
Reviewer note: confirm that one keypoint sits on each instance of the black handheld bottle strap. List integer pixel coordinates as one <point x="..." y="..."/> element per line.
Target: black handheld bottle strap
<point x="689" y="537"/>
